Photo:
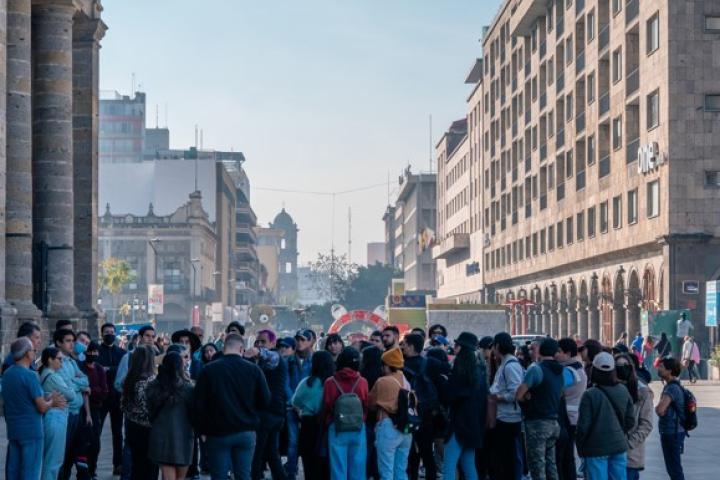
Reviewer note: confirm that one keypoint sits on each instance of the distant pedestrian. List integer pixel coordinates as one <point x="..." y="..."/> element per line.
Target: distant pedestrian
<point x="390" y="337"/>
<point x="30" y="331"/>
<point x="671" y="409"/>
<point x="334" y="344"/>
<point x="573" y="391"/>
<point x="663" y="348"/>
<point x="99" y="392"/>
<point x="691" y="358"/>
<point x="110" y="355"/>
<point x="371" y="369"/>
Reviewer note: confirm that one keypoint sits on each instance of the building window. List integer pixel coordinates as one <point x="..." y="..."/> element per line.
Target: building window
<point x="521" y="249"/>
<point x="653" y="199"/>
<point x="591" y="88"/>
<point x="604" y="217"/>
<point x="590" y="150"/>
<point x="617" y="212"/>
<point x="653" y="33"/>
<point x="617" y="65"/>
<point x="569" y="230"/>
<point x="560" y="237"/>
<point x="568" y="107"/>
<point x="616" y="6"/>
<point x="580" y="223"/>
<point x="282" y="244"/>
<point x="591" y="222"/>
<point x="653" y="110"/>
<point x="569" y="164"/>
<point x="542" y="241"/>
<point x="288" y="267"/>
<point x="632" y="206"/>
<point x="617" y="133"/>
<point x="712" y="103"/>
<point x="591" y="25"/>
<point x="527" y="246"/>
<point x="712" y="24"/>
<point x="712" y="178"/>
<point x="535" y="244"/>
<point x="551" y="238"/>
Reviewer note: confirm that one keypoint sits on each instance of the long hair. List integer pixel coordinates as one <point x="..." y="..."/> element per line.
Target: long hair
<point x="632" y="381"/>
<point x="465" y="367"/>
<point x="142" y="366"/>
<point x="50" y="353"/>
<point x="333" y="338"/>
<point x="171" y="378"/>
<point x="323" y="367"/>
<point x="371" y="365"/>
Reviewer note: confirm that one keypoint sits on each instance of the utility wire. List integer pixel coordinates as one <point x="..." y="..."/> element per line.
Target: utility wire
<point x="328" y="194"/>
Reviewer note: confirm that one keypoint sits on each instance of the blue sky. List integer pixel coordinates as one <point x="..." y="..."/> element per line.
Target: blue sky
<point x="320" y="95"/>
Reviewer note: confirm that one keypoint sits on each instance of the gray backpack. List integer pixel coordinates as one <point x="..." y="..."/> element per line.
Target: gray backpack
<point x="348" y="410"/>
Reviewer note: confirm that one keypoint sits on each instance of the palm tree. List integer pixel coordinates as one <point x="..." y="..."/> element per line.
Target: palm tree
<point x="114" y="274"/>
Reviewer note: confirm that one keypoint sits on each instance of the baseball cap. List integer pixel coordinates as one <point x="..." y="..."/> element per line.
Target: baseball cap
<point x="287" y="342"/>
<point x="439" y="340"/>
<point x="305" y="334"/>
<point x="604" y="361"/>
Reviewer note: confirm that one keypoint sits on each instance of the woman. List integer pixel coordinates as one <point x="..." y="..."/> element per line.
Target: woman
<point x="663" y="347"/>
<point x="648" y="352"/>
<point x="169" y="399"/>
<point x="605" y="418"/>
<point x="334" y="344"/>
<point x="347" y="449"/>
<point x="466" y="399"/>
<point x="99" y="391"/>
<point x="55" y="420"/>
<point x="134" y="406"/>
<point x="307" y="401"/>
<point x="207" y="352"/>
<point x="371" y="368"/>
<point x="642" y="398"/>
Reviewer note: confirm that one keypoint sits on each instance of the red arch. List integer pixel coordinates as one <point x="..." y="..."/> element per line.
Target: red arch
<point x="357" y="316"/>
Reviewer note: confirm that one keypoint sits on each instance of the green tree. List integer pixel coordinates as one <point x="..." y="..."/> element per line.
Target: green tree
<point x="113" y="275"/>
<point x="368" y="287"/>
<point x="331" y="275"/>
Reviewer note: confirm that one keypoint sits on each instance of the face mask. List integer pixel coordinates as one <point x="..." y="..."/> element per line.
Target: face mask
<point x="624" y="372"/>
<point x="90" y="358"/>
<point x="80" y="348"/>
<point x="109" y="339"/>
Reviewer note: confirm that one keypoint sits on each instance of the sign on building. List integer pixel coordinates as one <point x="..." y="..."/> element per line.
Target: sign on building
<point x="712" y="291"/>
<point x="156" y="299"/>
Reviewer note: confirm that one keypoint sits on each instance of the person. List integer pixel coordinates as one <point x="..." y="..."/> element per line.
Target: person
<point x="376" y="339"/>
<point x="606" y="416"/>
<point x="193" y="343"/>
<point x="508" y="417"/>
<point x="208" y="352"/>
<point x="299" y="367"/>
<point x="110" y="355"/>
<point x="663" y="347"/>
<point x="334" y="344"/>
<point x="135" y="408"/>
<point x="637" y="342"/>
<point x="371" y="369"/>
<point x="684" y="326"/>
<point x="691" y="358"/>
<point x="30" y="331"/>
<point x="589" y="349"/>
<point x="622" y="339"/>
<point x="98" y="394"/>
<point x="572" y="395"/>
<point x="540" y="394"/>
<point x="393" y="445"/>
<point x="307" y="400"/>
<point x="347" y="449"/>
<point x="670" y="411"/>
<point x="465" y="398"/>
<point x="390" y="337"/>
<point x="286" y="347"/>
<point x="146" y="336"/>
<point x="24" y="405"/>
<point x="229" y="395"/>
<point x="55" y="419"/>
<point x="648" y="352"/>
<point x="642" y="398"/>
<point x="437" y="330"/>
<point x="78" y="414"/>
<point x="169" y="403"/>
<point x="82" y="341"/>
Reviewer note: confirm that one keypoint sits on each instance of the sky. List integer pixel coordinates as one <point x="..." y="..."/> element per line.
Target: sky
<point x="320" y="95"/>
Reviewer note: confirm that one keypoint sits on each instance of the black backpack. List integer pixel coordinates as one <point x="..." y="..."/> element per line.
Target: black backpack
<point x="406" y="419"/>
<point x="428" y="400"/>
<point x="688" y="416"/>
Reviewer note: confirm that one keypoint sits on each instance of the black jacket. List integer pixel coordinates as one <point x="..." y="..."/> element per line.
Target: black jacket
<point x="276" y="375"/>
<point x="467" y="405"/>
<point x="229" y="396"/>
<point x="109" y="357"/>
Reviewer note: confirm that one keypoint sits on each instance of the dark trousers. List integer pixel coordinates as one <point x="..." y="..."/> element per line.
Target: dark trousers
<point x="267" y="449"/>
<point x="194" y="463"/>
<point x="422" y="449"/>
<point x="310" y="437"/>
<point x="94" y="444"/>
<point x="112" y="407"/>
<point x="72" y="428"/>
<point x="565" y="454"/>
<point x="138" y="437"/>
<point x="673" y="445"/>
<point x="505" y="437"/>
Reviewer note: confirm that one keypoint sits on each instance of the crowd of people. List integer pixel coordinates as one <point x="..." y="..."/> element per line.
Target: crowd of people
<point x="392" y="407"/>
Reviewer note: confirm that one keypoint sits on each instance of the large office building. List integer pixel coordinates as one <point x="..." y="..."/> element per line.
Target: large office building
<point x="122" y="127"/>
<point x="601" y="180"/>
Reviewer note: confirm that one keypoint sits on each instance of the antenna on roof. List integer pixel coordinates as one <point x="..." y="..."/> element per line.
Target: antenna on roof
<point x="157" y="116"/>
<point x="166" y="115"/>
<point x="201" y="138"/>
<point x="349" y="234"/>
<point x="196" y="158"/>
<point x="430" y="156"/>
<point x="132" y="91"/>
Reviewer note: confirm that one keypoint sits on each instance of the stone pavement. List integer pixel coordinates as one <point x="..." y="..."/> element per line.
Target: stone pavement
<point x="698" y="461"/>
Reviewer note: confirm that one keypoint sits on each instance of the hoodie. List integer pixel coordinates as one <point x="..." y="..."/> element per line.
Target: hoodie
<point x="346" y="378"/>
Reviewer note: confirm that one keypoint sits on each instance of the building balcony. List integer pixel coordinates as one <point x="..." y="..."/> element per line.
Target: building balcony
<point x="632" y="150"/>
<point x="604" y="102"/>
<point x="525" y="16"/>
<point x="604" y="166"/>
<point x="603" y="38"/>
<point x="580" y="123"/>
<point x="580" y="62"/>
<point x="454" y="243"/>
<point x="632" y="10"/>
<point x="246" y="249"/>
<point x="244" y="213"/>
<point x="632" y="83"/>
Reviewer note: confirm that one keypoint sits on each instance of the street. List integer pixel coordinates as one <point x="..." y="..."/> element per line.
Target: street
<point x="698" y="462"/>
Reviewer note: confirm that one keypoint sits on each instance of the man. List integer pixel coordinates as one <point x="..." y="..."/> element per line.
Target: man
<point x="637" y="342"/>
<point x="109" y="357"/>
<point x="437" y="330"/>
<point x="506" y="434"/>
<point x="82" y="341"/>
<point x="691" y="357"/>
<point x="236" y="328"/>
<point x="30" y="331"/>
<point x="683" y="326"/>
<point x="670" y="411"/>
<point x="299" y="367"/>
<point x="229" y="396"/>
<point x="146" y="336"/>
<point x="286" y="347"/>
<point x="25" y="404"/>
<point x="543" y="382"/>
<point x="419" y="331"/>
<point x="64" y="340"/>
<point x="565" y="449"/>
<point x="390" y="337"/>
<point x="64" y="324"/>
<point x="376" y="339"/>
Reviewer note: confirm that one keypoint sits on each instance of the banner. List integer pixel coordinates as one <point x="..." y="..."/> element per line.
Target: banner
<point x="711" y="303"/>
<point x="156" y="299"/>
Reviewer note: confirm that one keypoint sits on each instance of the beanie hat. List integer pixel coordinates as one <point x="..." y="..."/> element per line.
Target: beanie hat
<point x="604" y="362"/>
<point x="393" y="358"/>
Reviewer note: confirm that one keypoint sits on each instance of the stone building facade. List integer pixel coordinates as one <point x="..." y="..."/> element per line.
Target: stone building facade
<point x="601" y="123"/>
<point x="288" y="259"/>
<point x="49" y="55"/>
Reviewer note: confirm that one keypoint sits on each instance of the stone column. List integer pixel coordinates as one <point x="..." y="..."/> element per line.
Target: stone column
<point x="563" y="323"/>
<point x="53" y="209"/>
<point x="546" y="323"/>
<point x="594" y="327"/>
<point x="554" y="322"/>
<point x="572" y="321"/>
<point x="18" y="234"/>
<point x="583" y="319"/>
<point x="618" y="315"/>
<point x="87" y="33"/>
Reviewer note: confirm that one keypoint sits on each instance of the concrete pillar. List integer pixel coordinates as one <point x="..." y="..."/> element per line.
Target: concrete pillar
<point x="87" y="33"/>
<point x="52" y="148"/>
<point x="583" y="322"/>
<point x="563" y="327"/>
<point x="554" y="322"/>
<point x="572" y="321"/>
<point x="618" y="313"/>
<point x="18" y="233"/>
<point x="546" y="322"/>
<point x="594" y="324"/>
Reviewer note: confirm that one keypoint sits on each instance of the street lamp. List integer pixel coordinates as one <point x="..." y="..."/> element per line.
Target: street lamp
<point x="153" y="244"/>
<point x="193" y="261"/>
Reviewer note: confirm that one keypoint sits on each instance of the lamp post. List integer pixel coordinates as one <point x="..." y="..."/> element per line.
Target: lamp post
<point x="153" y="244"/>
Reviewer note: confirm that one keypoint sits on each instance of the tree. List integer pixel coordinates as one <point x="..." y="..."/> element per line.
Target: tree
<point x="113" y="275"/>
<point x="331" y="275"/>
<point x="368" y="287"/>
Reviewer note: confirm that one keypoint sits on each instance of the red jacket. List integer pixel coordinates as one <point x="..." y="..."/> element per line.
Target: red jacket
<point x="346" y="378"/>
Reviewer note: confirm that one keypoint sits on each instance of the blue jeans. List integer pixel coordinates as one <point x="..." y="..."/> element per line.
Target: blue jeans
<point x="393" y="448"/>
<point x="231" y="452"/>
<point x="633" y="473"/>
<point x="293" y="430"/>
<point x="612" y="467"/>
<point x="23" y="459"/>
<point x="673" y="445"/>
<point x="347" y="452"/>
<point x="454" y="453"/>
<point x="55" y="424"/>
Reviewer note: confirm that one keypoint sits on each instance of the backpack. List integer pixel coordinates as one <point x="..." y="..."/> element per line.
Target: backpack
<point x="406" y="419"/>
<point x="348" y="409"/>
<point x="426" y="394"/>
<point x="688" y="417"/>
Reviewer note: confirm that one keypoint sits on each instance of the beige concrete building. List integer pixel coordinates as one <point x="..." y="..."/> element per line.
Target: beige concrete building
<point x="269" y="243"/>
<point x="601" y="132"/>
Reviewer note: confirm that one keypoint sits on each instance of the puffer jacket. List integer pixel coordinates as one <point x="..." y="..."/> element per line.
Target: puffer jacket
<point x="643" y="410"/>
